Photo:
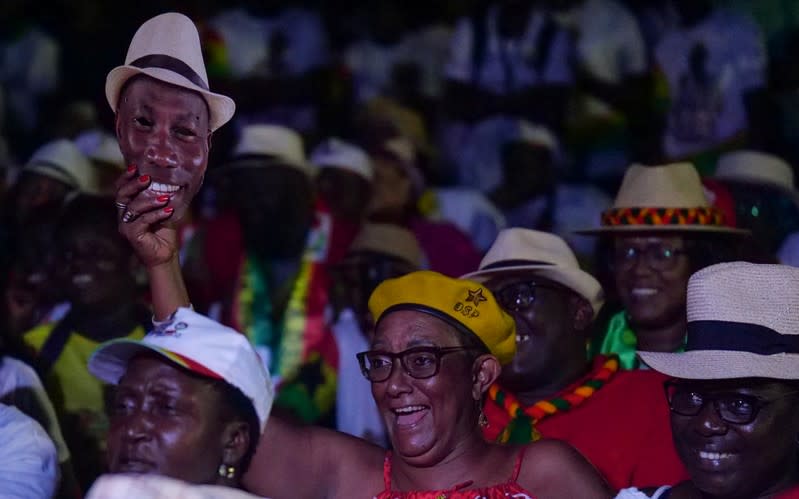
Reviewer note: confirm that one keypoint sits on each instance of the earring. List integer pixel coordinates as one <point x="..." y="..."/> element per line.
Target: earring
<point x="482" y="420"/>
<point x="226" y="471"/>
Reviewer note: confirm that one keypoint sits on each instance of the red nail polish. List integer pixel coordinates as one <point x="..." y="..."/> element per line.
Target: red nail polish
<point x="131" y="168"/>
<point x="144" y="179"/>
<point x="162" y="199"/>
<point x="169" y="210"/>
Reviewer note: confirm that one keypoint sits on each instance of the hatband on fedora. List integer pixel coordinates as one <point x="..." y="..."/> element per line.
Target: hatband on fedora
<point x="662" y="198"/>
<point x="743" y="322"/>
<point x="518" y="250"/>
<point x="167" y="48"/>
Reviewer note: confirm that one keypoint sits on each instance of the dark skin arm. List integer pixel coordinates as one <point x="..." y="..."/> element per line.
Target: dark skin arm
<point x="292" y="461"/>
<point x="155" y="242"/>
<point x="313" y="462"/>
<point x="554" y="469"/>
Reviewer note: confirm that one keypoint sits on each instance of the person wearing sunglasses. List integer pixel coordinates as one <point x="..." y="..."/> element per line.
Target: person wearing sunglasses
<point x="661" y="229"/>
<point x="734" y="396"/>
<point x="551" y="388"/>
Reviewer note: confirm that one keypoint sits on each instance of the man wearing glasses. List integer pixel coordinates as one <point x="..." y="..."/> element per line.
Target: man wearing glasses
<point x="618" y="419"/>
<point x="734" y="393"/>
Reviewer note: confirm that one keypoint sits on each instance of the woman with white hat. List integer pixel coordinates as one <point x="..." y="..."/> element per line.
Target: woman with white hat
<point x="662" y="229"/>
<point x="191" y="401"/>
<point x="735" y="394"/>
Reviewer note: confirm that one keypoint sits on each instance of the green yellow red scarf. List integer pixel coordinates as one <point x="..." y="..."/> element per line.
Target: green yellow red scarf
<point x="518" y="424"/>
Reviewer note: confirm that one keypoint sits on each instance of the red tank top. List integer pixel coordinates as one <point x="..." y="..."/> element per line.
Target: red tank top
<point x="509" y="489"/>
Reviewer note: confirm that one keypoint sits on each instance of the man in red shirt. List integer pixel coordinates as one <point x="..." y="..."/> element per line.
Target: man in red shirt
<point x="618" y="419"/>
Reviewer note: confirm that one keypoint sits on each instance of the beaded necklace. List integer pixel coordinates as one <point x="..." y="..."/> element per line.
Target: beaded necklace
<point x="521" y="426"/>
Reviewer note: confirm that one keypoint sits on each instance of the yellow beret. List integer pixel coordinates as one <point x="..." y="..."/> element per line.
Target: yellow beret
<point x="464" y="304"/>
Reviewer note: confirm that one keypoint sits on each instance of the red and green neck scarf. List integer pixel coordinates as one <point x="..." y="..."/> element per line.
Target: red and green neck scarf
<point x="303" y="359"/>
<point x="511" y="422"/>
<point x="620" y="340"/>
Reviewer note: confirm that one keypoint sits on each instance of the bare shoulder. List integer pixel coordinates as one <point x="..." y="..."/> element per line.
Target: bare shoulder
<point x="313" y="462"/>
<point x="553" y="469"/>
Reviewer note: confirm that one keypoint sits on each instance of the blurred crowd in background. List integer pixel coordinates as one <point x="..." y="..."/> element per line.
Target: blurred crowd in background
<point x="371" y="139"/>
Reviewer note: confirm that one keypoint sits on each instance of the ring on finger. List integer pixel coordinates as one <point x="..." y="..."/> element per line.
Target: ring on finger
<point x="121" y="206"/>
<point x="128" y="216"/>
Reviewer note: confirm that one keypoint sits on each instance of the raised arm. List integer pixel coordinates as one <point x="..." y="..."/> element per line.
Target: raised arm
<point x="145" y="222"/>
<point x="312" y="462"/>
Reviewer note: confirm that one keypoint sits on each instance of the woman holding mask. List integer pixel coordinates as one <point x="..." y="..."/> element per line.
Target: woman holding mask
<point x="438" y="345"/>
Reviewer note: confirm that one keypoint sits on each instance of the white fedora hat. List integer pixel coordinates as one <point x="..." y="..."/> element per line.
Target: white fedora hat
<point x="261" y="146"/>
<point x="63" y="161"/>
<point x="743" y="322"/>
<point x="518" y="250"/>
<point x="662" y="198"/>
<point x="757" y="168"/>
<point x="336" y="153"/>
<point x="167" y="48"/>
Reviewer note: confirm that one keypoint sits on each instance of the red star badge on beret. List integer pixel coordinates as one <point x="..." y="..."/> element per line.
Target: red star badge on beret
<point x="476" y="296"/>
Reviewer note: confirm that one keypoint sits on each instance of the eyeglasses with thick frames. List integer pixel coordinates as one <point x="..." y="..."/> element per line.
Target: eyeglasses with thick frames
<point x="520" y="296"/>
<point x="656" y="256"/>
<point x="731" y="407"/>
<point x="417" y="362"/>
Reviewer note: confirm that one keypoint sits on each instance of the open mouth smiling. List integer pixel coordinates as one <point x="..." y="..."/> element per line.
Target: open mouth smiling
<point x="410" y="415"/>
<point x="161" y="188"/>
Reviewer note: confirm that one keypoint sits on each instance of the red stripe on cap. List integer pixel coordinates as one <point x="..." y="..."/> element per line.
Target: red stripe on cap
<point x="196" y="366"/>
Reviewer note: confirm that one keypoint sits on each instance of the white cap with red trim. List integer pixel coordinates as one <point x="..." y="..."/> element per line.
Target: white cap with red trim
<point x="196" y="343"/>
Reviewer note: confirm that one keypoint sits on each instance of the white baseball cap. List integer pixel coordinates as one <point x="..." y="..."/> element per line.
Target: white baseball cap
<point x="198" y="344"/>
<point x="336" y="153"/>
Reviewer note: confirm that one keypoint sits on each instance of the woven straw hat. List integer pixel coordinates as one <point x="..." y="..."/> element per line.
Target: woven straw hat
<point x="743" y="322"/>
<point x="518" y="250"/>
<point x="662" y="198"/>
<point x="389" y="239"/>
<point x="167" y="48"/>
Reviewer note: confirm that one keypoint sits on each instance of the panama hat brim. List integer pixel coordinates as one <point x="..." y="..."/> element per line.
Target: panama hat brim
<point x="723" y="364"/>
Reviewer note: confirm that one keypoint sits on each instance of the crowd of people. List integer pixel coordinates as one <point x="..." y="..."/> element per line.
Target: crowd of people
<point x="501" y="249"/>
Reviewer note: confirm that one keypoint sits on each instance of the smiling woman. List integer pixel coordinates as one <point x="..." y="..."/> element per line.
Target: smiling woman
<point x="438" y="345"/>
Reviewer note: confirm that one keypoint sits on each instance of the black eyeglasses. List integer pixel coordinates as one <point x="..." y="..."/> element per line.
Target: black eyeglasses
<point x="734" y="408"/>
<point x="520" y="296"/>
<point x="656" y="256"/>
<point x="418" y="362"/>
